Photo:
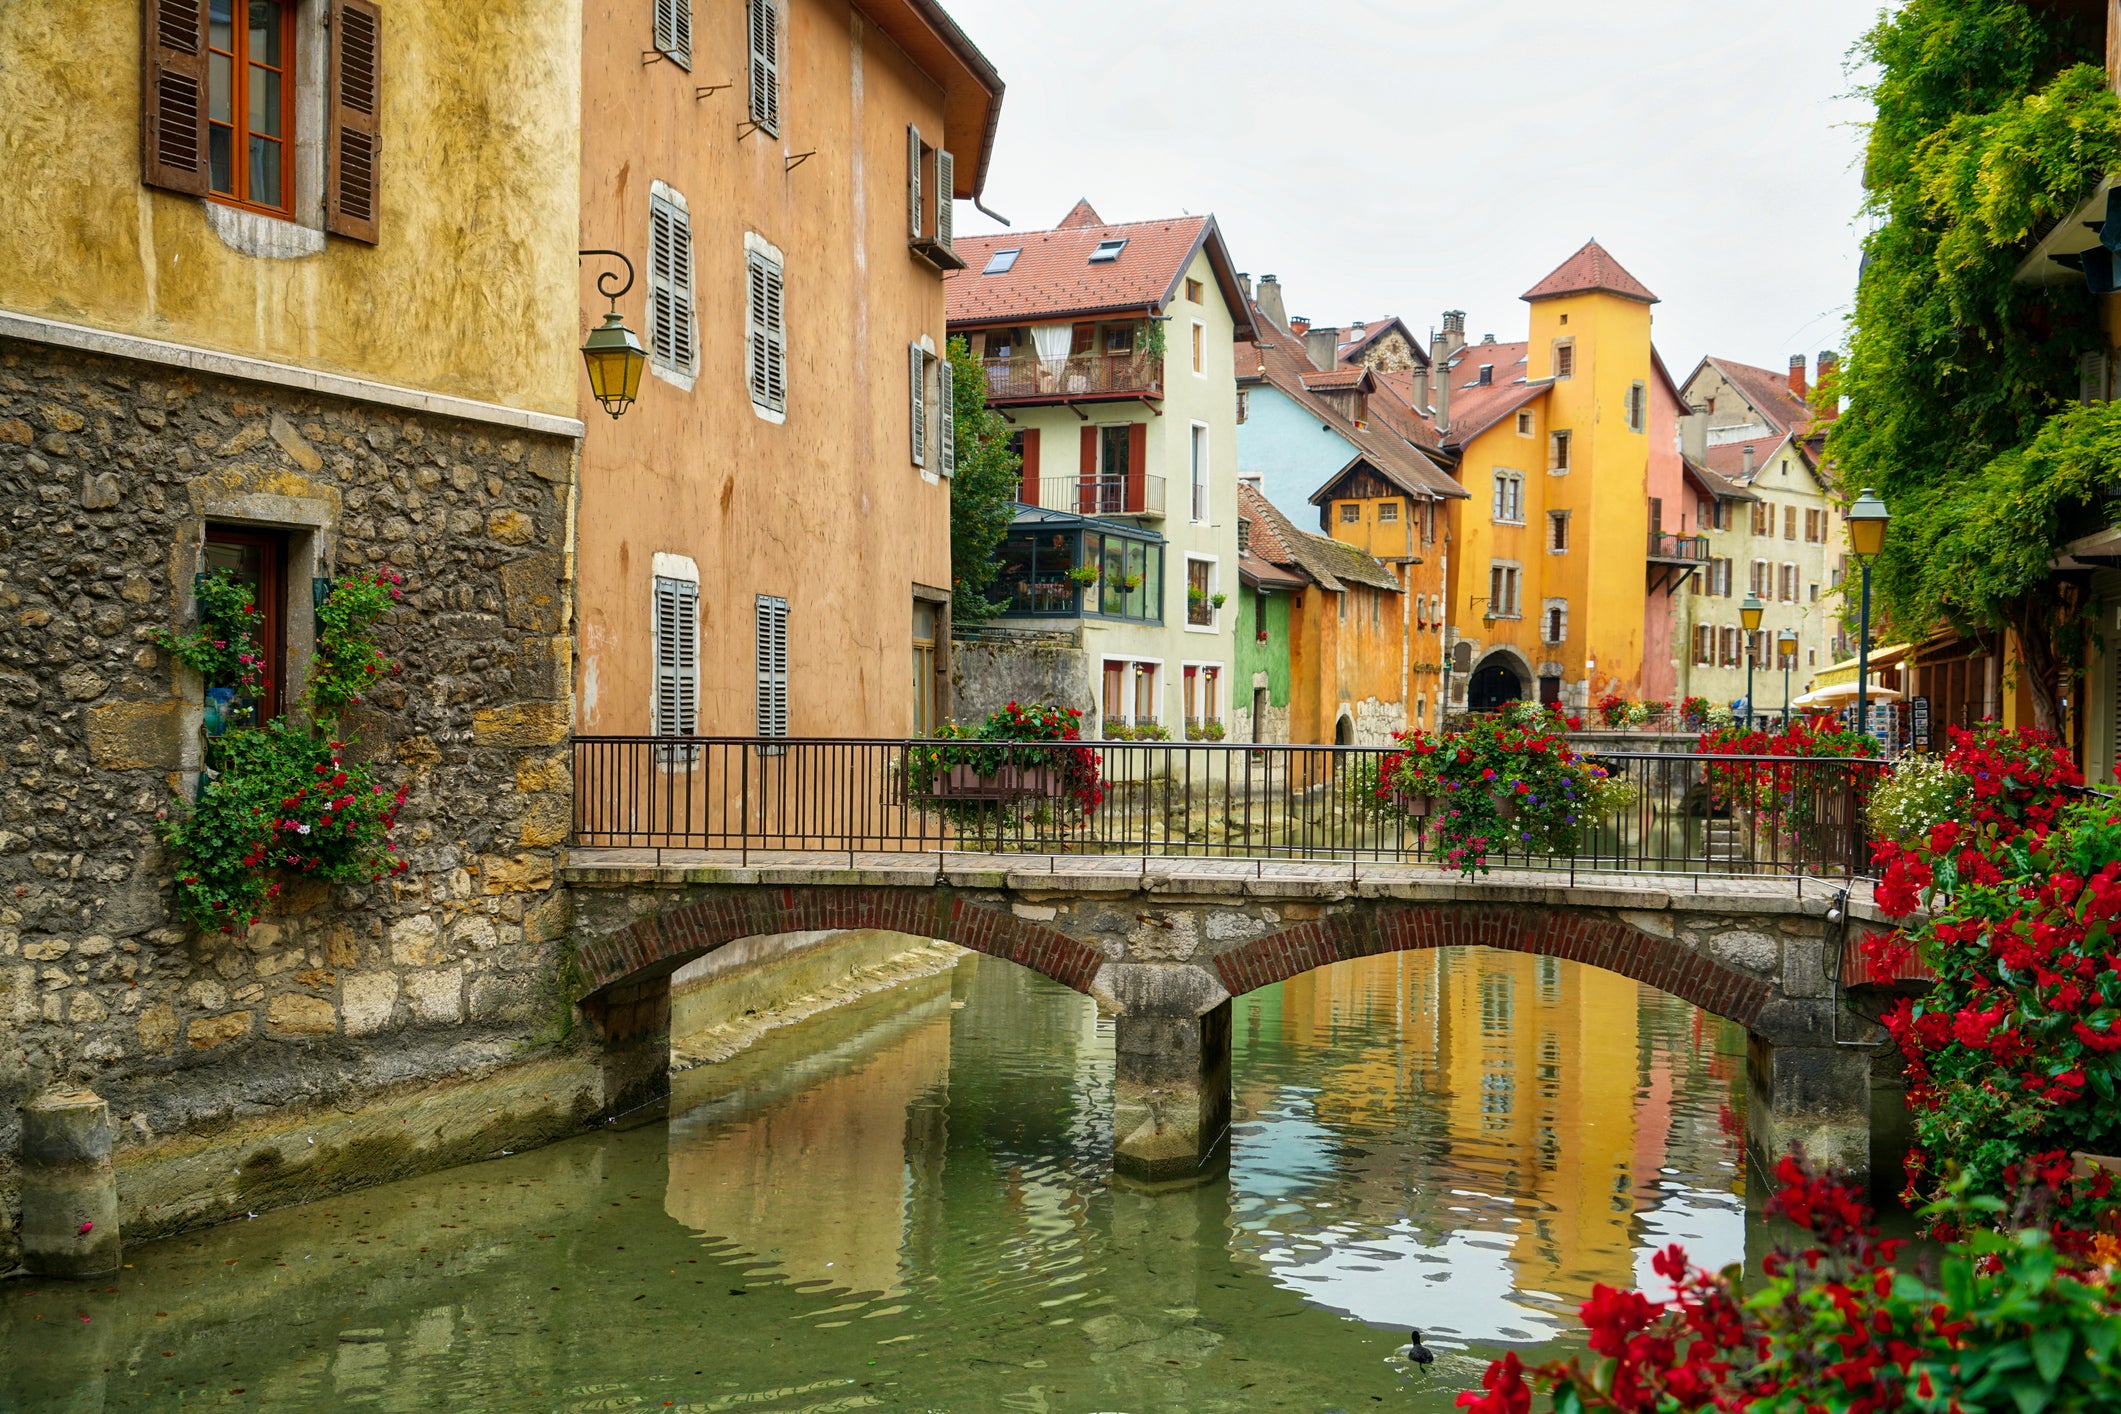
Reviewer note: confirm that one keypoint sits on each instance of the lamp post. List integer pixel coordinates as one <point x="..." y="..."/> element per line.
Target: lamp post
<point x="1867" y="520"/>
<point x="1749" y="614"/>
<point x="1786" y="642"/>
<point x="611" y="353"/>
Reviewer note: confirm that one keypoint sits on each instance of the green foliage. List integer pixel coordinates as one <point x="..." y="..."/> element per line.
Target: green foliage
<point x="996" y="778"/>
<point x="223" y="649"/>
<point x="982" y="492"/>
<point x="347" y="661"/>
<point x="1922" y="791"/>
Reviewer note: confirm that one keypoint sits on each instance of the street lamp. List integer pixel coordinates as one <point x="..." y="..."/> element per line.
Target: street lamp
<point x="1749" y="614"/>
<point x="1867" y="520"/>
<point x="1786" y="642"/>
<point x="611" y="353"/>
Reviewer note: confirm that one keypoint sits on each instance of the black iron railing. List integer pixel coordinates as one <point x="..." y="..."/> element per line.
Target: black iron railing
<point x="1679" y="814"/>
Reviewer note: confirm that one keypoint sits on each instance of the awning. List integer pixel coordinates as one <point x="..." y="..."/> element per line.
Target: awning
<point x="1842" y="694"/>
<point x="1845" y="670"/>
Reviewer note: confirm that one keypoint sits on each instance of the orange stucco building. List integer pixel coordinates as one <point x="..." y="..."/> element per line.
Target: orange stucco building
<point x="763" y="538"/>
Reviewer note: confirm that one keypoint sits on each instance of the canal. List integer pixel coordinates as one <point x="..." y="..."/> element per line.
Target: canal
<point x="907" y="1204"/>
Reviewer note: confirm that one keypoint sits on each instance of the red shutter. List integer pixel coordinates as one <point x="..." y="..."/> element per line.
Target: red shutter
<point x="1029" y="492"/>
<point x="354" y="142"/>
<point x="1137" y="467"/>
<point x="173" y="95"/>
<point x="1086" y="479"/>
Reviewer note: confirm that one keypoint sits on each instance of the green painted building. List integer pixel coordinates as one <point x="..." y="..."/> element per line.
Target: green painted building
<point x="1260" y="709"/>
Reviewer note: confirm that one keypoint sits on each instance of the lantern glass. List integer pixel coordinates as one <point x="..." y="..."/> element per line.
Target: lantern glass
<point x="614" y="359"/>
<point x="1750" y="611"/>
<point x="1867" y="521"/>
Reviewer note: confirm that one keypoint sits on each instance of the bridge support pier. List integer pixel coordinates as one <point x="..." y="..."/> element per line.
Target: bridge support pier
<point x="1171" y="1096"/>
<point x="1817" y="1097"/>
<point x="633" y="1019"/>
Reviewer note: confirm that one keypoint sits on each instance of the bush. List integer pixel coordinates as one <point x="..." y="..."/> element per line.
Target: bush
<point x="1921" y="792"/>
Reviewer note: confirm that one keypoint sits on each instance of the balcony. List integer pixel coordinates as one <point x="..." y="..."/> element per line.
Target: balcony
<point x="1103" y="495"/>
<point x="1022" y="379"/>
<point x="1667" y="548"/>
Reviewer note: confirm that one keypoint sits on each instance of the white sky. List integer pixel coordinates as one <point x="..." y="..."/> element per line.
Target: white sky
<point x="1408" y="156"/>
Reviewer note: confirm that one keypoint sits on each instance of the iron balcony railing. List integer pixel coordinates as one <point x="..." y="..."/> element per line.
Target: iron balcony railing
<point x="1680" y="813"/>
<point x="1026" y="378"/>
<point x="1118" y="495"/>
<point x="1693" y="549"/>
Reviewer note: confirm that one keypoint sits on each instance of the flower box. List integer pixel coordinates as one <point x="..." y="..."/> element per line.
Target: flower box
<point x="1007" y="783"/>
<point x="1416" y="805"/>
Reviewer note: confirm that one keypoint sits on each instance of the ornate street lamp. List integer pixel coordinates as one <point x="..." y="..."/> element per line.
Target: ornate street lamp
<point x="1749" y="614"/>
<point x="1867" y="520"/>
<point x="1786" y="641"/>
<point x="611" y="353"/>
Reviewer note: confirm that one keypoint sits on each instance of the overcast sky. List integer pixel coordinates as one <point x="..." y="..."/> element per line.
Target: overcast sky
<point x="1408" y="156"/>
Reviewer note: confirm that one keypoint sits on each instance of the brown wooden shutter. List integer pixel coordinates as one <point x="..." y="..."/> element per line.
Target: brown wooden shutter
<point x="173" y="95"/>
<point x="1029" y="493"/>
<point x="354" y="142"/>
<point x="1137" y="467"/>
<point x="1086" y="481"/>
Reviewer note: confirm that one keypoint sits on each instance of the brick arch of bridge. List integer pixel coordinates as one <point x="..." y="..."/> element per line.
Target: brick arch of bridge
<point x="1548" y="931"/>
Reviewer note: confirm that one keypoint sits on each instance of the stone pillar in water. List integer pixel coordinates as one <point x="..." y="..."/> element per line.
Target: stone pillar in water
<point x="69" y="1191"/>
<point x="1171" y="1096"/>
<point x="633" y="1020"/>
<point x="1817" y="1097"/>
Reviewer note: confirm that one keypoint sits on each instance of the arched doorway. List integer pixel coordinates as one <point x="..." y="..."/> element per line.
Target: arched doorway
<point x="1494" y="683"/>
<point x="1344" y="731"/>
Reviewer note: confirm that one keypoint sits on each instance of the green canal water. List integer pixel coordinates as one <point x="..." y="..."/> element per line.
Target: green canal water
<point x="906" y="1205"/>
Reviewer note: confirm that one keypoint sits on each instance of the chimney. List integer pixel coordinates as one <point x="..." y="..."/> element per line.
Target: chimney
<point x="1454" y="332"/>
<point x="1244" y="282"/>
<point x="1323" y="345"/>
<point x="1298" y="325"/>
<point x="1269" y="300"/>
<point x="1421" y="386"/>
<point x="1797" y="388"/>
<point x="1749" y="461"/>
<point x="1829" y="365"/>
<point x="1442" y="394"/>
<point x="1355" y="331"/>
<point x="1694" y="438"/>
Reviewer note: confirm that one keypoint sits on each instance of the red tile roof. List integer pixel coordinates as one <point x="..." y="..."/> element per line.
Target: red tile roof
<point x="1334" y="380"/>
<point x="1326" y="561"/>
<point x="1767" y="393"/>
<point x="1079" y="215"/>
<point x="1053" y="278"/>
<point x="1396" y="411"/>
<point x="1717" y="486"/>
<point x="1590" y="269"/>
<point x="1727" y="459"/>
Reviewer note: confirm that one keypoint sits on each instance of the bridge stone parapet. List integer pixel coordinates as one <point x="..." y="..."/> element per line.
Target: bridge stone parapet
<point x="1164" y="945"/>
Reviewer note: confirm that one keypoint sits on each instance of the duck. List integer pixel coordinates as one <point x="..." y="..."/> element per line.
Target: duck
<point x="1417" y="1352"/>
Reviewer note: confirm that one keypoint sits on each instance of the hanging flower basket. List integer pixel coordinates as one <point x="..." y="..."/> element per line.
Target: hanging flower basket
<point x="1416" y="805"/>
<point x="1005" y="783"/>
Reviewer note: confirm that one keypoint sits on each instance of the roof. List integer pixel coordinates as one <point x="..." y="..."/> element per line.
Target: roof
<point x="1329" y="563"/>
<point x="1765" y="391"/>
<point x="1591" y="268"/>
<point x="1260" y="575"/>
<point x="1727" y="459"/>
<point x="1477" y="406"/>
<point x="1397" y="411"/>
<point x="972" y="90"/>
<point x="1053" y="279"/>
<point x="1046" y="515"/>
<point x="1721" y="488"/>
<point x="1377" y="329"/>
<point x="1279" y="359"/>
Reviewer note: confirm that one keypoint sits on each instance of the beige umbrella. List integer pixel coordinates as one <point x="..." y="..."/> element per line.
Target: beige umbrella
<point x="1841" y="694"/>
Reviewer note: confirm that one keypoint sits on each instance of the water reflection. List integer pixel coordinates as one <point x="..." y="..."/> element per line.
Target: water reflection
<point x="906" y="1204"/>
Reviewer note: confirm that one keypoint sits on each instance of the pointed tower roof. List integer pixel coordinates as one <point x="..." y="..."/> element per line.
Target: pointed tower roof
<point x="1590" y="269"/>
<point x="1081" y="214"/>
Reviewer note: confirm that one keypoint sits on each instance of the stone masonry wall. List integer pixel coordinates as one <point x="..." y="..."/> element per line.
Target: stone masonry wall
<point x="109" y="472"/>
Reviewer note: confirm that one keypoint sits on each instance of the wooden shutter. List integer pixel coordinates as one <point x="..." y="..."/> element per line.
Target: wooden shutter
<point x="353" y="145"/>
<point x="913" y="183"/>
<point x="173" y="95"/>
<point x="673" y="30"/>
<point x="1086" y="478"/>
<point x="946" y="421"/>
<point x="2091" y="378"/>
<point x="772" y="666"/>
<point x="765" y="27"/>
<point x="766" y="334"/>
<point x="917" y="401"/>
<point x="677" y="662"/>
<point x="945" y="195"/>
<point x="1137" y="466"/>
<point x="1029" y="493"/>
<point x="673" y="337"/>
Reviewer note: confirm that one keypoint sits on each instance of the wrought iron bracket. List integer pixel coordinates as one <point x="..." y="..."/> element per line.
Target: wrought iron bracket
<point x="606" y="291"/>
<point x="748" y="127"/>
<point x="796" y="159"/>
<point x="704" y="90"/>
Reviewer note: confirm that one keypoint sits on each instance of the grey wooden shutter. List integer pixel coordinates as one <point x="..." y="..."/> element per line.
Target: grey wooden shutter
<point x="766" y="334"/>
<point x="353" y="146"/>
<point x="917" y="391"/>
<point x="945" y="194"/>
<point x="677" y="664"/>
<point x="765" y="28"/>
<point x="772" y="666"/>
<point x="173" y="95"/>
<point x="673" y="335"/>
<point x="673" y="30"/>
<point x="913" y="183"/>
<point x="2091" y="378"/>
<point x="946" y="396"/>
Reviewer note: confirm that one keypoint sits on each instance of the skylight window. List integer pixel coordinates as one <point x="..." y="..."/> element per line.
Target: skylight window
<point x="1002" y="261"/>
<point x="1107" y="251"/>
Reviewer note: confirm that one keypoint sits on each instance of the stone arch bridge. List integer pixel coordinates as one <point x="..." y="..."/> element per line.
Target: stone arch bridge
<point x="1166" y="945"/>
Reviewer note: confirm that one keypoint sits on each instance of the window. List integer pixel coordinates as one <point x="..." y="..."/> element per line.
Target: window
<point x="1200" y="473"/>
<point x="1761" y="583"/>
<point x="931" y="189"/>
<point x="1503" y="583"/>
<point x="1638" y="408"/>
<point x="1421" y="611"/>
<point x="1789" y="522"/>
<point x="677" y="657"/>
<point x="250" y="94"/>
<point x="766" y="338"/>
<point x="673" y="31"/>
<point x="1193" y="290"/>
<point x="1704" y="645"/>
<point x="1001" y="263"/>
<point x="1509" y="498"/>
<point x="1786" y="588"/>
<point x="1200" y="584"/>
<point x="1763" y="518"/>
<point x="1200" y="348"/>
<point x="1244" y="404"/>
<point x="927" y="620"/>
<point x="673" y="332"/>
<point x="1720" y="577"/>
<point x="1146" y="698"/>
<point x="1814" y="526"/>
<point x="1564" y="358"/>
<point x="1554" y="622"/>
<point x="1107" y="252"/>
<point x="1727" y="645"/>
<point x="931" y="399"/>
<point x="1350" y="512"/>
<point x="1557" y="452"/>
<point x="1812" y="593"/>
<point x="1119" y="338"/>
<point x="1244" y="535"/>
<point x="772" y="615"/>
<point x="257" y="558"/>
<point x="1114" y="699"/>
<point x="1524" y="424"/>
<point x="1387" y="512"/>
<point x="764" y="25"/>
<point x="1557" y="532"/>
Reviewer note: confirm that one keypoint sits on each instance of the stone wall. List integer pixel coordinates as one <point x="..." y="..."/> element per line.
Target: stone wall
<point x="999" y="667"/>
<point x="109" y="472"/>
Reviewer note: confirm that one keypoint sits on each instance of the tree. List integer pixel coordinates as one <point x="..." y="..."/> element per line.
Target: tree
<point x="1987" y="133"/>
<point x="982" y="492"/>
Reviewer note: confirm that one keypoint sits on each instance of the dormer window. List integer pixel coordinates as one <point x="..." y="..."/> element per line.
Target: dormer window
<point x="1107" y="251"/>
<point x="1002" y="261"/>
<point x="1487" y="376"/>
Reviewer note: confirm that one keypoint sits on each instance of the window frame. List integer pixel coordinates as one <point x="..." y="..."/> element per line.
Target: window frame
<point x="678" y="288"/>
<point x="1211" y="584"/>
<point x="1200" y="500"/>
<point x="770" y="660"/>
<point x="1200" y="349"/>
<point x="1564" y="353"/>
<point x="270" y="597"/>
<point x="767" y="339"/>
<point x="680" y="594"/>
<point x="672" y="24"/>
<point x="1638" y="407"/>
<point x="238" y="124"/>
<point x="1508" y="495"/>
<point x="1560" y="450"/>
<point x="1557" y="532"/>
